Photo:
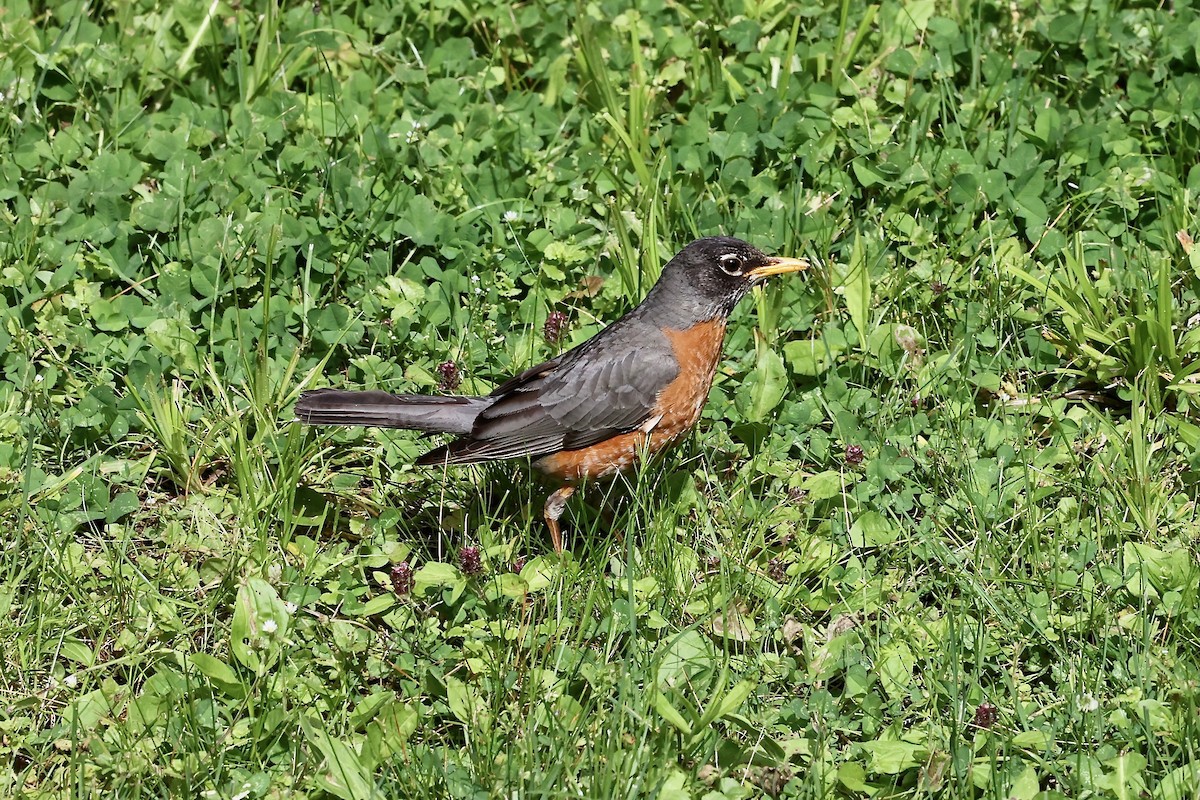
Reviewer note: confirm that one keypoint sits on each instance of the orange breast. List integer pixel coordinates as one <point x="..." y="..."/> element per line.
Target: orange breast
<point x="676" y="410"/>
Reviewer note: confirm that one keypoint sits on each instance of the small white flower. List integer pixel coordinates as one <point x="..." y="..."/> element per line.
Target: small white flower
<point x="269" y="627"/>
<point x="290" y="607"/>
<point x="71" y="681"/>
<point x="1089" y="703"/>
<point x="511" y="216"/>
<point x="274" y="573"/>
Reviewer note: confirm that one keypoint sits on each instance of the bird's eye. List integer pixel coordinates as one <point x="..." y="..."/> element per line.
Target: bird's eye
<point x="731" y="264"/>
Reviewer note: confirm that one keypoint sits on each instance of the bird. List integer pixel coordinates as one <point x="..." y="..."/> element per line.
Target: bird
<point x="629" y="392"/>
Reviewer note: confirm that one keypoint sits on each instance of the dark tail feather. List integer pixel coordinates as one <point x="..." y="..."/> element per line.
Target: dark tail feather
<point x="382" y="410"/>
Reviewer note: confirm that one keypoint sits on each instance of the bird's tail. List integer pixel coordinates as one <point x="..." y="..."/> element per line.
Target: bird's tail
<point x="382" y="410"/>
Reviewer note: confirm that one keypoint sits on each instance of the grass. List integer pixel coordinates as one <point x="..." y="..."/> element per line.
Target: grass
<point x="936" y="533"/>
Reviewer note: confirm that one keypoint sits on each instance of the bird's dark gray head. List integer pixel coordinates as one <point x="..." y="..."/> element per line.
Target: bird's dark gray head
<point x="707" y="278"/>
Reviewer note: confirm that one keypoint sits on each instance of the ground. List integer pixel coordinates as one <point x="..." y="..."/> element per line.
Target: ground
<point x="935" y="533"/>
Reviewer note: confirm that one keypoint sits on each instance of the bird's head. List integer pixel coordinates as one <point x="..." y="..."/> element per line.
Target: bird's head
<point x="717" y="272"/>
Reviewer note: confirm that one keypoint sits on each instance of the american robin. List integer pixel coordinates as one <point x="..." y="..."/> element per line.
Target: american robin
<point x="630" y="391"/>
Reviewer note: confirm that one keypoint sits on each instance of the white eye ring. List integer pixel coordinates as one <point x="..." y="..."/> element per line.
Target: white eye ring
<point x="731" y="264"/>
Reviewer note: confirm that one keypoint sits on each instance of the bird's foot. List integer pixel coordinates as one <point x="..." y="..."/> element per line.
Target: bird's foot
<point x="556" y="504"/>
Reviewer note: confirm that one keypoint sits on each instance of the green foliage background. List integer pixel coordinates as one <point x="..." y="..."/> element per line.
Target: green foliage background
<point x="205" y="207"/>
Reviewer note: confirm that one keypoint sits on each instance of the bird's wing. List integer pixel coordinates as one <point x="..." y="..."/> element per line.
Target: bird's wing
<point x="607" y="386"/>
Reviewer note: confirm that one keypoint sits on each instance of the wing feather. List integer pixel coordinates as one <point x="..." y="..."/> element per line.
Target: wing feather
<point x="607" y="386"/>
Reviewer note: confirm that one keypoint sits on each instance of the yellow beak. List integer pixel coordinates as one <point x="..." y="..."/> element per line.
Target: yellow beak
<point x="778" y="265"/>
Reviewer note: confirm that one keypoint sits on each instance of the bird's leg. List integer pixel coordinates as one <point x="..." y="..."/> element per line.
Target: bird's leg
<point x="556" y="504"/>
